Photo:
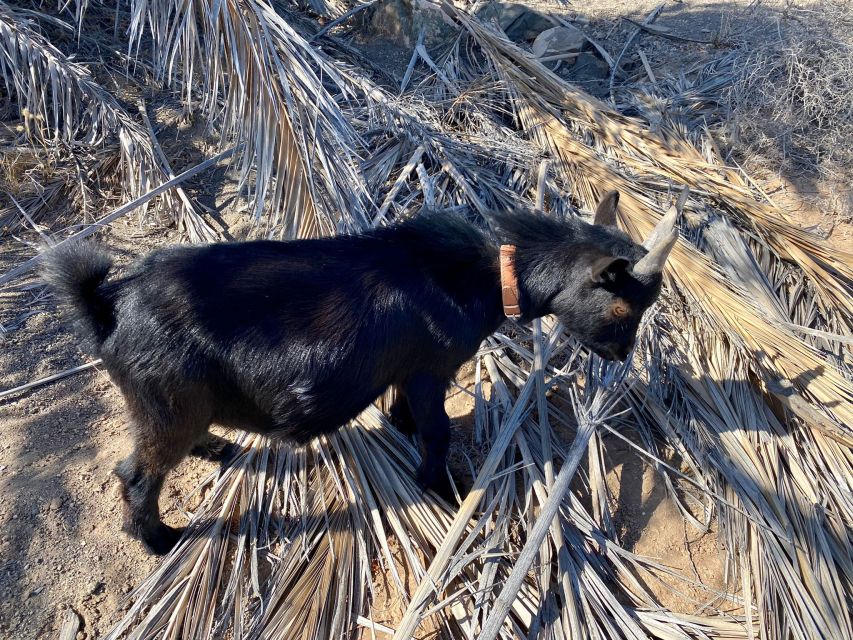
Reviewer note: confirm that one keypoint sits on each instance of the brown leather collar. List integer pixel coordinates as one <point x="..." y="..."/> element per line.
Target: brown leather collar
<point x="509" y="282"/>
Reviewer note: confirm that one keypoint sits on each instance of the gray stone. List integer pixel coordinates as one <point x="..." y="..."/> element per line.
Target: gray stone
<point x="558" y="40"/>
<point x="591" y="73"/>
<point x="401" y="22"/>
<point x="518" y="22"/>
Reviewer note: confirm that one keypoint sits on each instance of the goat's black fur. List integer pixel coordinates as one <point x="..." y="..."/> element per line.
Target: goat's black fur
<point x="293" y="339"/>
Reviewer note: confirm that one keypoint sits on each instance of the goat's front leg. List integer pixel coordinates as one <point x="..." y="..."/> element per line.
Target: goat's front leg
<point x="400" y="414"/>
<point x="425" y="394"/>
<point x="214" y="448"/>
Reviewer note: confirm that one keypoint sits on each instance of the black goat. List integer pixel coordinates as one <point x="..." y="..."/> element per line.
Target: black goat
<point x="293" y="339"/>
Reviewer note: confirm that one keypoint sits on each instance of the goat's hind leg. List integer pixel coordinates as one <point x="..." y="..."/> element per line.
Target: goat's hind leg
<point x="159" y="446"/>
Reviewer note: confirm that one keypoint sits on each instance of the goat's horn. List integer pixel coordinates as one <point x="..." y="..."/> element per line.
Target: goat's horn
<point x="662" y="239"/>
<point x="654" y="260"/>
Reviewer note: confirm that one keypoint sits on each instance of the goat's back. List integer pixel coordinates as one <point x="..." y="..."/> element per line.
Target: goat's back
<point x="294" y="337"/>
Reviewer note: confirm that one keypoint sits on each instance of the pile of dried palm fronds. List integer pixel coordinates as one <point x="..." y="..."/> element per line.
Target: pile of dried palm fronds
<point x="740" y="389"/>
<point x="64" y="109"/>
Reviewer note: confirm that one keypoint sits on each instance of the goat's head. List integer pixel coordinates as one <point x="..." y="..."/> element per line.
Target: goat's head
<point x="614" y="281"/>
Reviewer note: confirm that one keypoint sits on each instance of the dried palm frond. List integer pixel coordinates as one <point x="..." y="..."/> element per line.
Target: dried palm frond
<point x="796" y="360"/>
<point x="814" y="610"/>
<point x="60" y="100"/>
<point x="280" y="99"/>
<point x="667" y="156"/>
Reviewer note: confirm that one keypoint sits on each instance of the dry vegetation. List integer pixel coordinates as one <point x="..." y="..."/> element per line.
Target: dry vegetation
<point x="792" y="97"/>
<point x="740" y="394"/>
<point x="791" y="102"/>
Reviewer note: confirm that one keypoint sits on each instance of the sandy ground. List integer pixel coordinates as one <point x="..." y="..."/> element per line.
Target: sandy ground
<point x="61" y="546"/>
<point x="60" y="514"/>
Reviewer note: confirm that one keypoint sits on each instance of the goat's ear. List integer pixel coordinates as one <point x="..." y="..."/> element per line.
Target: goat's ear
<point x="606" y="268"/>
<point x="605" y="213"/>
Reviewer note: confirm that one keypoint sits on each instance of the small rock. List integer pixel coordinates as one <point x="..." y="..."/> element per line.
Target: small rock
<point x="36" y="591"/>
<point x="96" y="587"/>
<point x="518" y="22"/>
<point x="557" y="40"/>
<point x="55" y="503"/>
<point x="591" y="73"/>
<point x="401" y="22"/>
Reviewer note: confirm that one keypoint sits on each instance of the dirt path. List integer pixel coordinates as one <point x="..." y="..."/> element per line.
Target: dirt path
<point x="61" y="546"/>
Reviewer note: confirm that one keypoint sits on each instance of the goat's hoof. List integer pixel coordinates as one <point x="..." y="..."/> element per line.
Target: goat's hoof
<point x="438" y="483"/>
<point x="163" y="540"/>
<point x="215" y="449"/>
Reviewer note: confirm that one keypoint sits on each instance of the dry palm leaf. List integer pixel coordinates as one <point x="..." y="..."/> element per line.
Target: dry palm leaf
<point x="298" y="146"/>
<point x="60" y="99"/>
<point x="793" y="358"/>
<point x="770" y="349"/>
<point x="666" y="155"/>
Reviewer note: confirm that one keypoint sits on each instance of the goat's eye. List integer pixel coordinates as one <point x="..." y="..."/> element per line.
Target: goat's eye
<point x="620" y="309"/>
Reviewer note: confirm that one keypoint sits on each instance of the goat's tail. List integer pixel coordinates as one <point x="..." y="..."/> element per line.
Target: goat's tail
<point x="76" y="273"/>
